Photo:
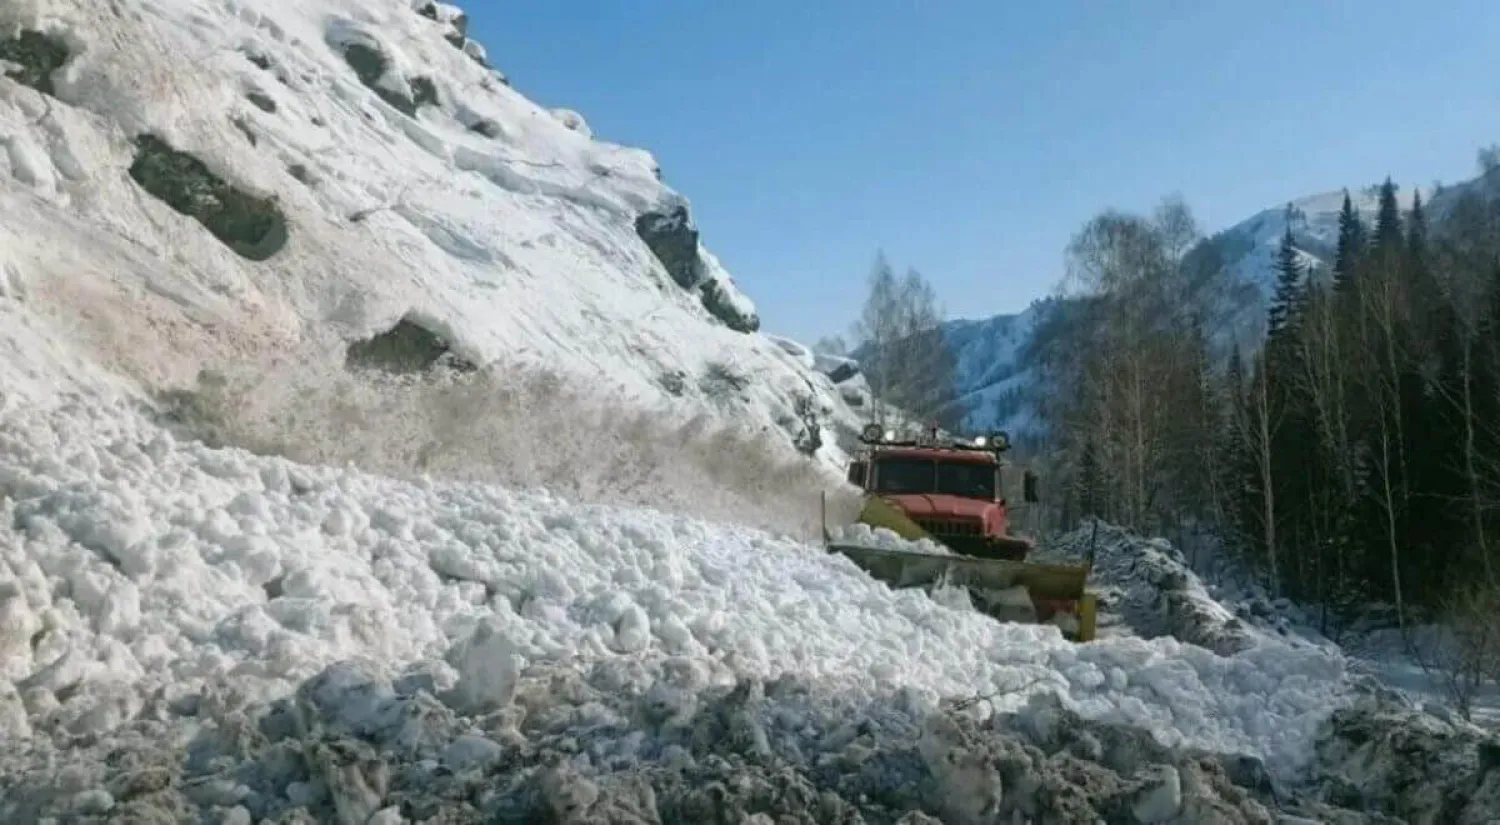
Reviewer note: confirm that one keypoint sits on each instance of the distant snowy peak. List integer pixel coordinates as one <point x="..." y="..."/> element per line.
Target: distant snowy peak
<point x="1250" y="246"/>
<point x="193" y="184"/>
<point x="996" y="373"/>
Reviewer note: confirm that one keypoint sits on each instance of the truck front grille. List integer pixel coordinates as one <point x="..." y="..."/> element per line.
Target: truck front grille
<point x="950" y="527"/>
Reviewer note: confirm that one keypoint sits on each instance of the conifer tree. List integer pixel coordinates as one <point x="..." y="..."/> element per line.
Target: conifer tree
<point x="1234" y="453"/>
<point x="1350" y="245"/>
<point x="1416" y="230"/>
<point x="1438" y="440"/>
<point x="1287" y="466"/>
<point x="1388" y="234"/>
<point x="1431" y="312"/>
<point x="1284" y="303"/>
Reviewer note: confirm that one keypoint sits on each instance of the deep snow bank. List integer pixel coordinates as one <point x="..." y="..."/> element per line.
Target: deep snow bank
<point x="145" y="566"/>
<point x="1148" y="586"/>
<point x="1386" y="757"/>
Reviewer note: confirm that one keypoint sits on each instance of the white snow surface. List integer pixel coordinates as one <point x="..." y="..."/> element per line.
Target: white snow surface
<point x="884" y="539"/>
<point x="135" y="566"/>
<point x="992" y="367"/>
<point x="143" y="566"/>
<point x="498" y="223"/>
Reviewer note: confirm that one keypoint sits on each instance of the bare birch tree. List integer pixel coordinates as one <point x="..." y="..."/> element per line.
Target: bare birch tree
<point x="1257" y="424"/>
<point x="904" y="352"/>
<point x="1381" y="308"/>
<point x="1126" y="375"/>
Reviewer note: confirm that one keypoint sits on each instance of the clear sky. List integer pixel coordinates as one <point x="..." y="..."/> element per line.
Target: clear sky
<point x="971" y="138"/>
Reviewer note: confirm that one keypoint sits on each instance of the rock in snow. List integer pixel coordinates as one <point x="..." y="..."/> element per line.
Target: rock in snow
<point x="202" y="632"/>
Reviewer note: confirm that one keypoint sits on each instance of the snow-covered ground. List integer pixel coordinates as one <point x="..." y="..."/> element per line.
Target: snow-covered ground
<point x="1148" y="587"/>
<point x="143" y="564"/>
<point x="171" y="589"/>
<point x="252" y="569"/>
<point x="1151" y="589"/>
<point x="1427" y="664"/>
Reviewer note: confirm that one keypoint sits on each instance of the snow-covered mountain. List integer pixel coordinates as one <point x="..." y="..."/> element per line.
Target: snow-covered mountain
<point x="289" y="187"/>
<point x="268" y="216"/>
<point x="996" y="368"/>
<point x="995" y="372"/>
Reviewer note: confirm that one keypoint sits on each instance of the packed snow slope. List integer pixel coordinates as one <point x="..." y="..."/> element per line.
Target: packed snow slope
<point x="293" y="186"/>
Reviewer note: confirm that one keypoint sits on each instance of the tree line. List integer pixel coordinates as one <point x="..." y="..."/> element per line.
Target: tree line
<point x="1350" y="452"/>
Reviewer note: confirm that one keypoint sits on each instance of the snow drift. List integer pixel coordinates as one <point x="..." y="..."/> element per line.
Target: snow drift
<point x="1150" y="589"/>
<point x="146" y="564"/>
<point x="158" y="582"/>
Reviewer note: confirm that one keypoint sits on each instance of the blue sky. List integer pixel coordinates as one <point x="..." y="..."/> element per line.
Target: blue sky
<point x="970" y="139"/>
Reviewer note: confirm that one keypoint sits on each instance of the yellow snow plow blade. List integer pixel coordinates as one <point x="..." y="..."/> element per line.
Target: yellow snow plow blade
<point x="1008" y="590"/>
<point x="878" y="512"/>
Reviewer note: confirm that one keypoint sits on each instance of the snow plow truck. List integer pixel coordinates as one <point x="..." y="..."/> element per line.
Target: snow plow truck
<point x="948" y="491"/>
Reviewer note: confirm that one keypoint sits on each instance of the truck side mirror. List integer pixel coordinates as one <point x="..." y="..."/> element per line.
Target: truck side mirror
<point x="1029" y="492"/>
<point x="857" y="473"/>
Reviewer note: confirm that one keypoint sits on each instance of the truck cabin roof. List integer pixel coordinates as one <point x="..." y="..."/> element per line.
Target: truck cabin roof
<point x="946" y="456"/>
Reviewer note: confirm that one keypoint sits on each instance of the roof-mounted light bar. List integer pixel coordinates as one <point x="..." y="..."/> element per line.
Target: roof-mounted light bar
<point x="996" y="442"/>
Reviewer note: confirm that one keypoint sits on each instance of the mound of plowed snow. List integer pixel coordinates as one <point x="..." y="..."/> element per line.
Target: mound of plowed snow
<point x="637" y="740"/>
<point x="146" y="567"/>
<point x="879" y="537"/>
<point x="1148" y="586"/>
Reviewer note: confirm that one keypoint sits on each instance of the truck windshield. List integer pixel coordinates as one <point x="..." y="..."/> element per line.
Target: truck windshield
<point x="899" y="476"/>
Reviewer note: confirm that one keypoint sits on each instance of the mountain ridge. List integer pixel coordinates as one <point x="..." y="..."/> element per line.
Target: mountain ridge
<point x="997" y="368"/>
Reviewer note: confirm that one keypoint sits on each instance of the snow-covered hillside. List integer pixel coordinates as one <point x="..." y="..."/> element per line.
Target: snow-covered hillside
<point x="1249" y="250"/>
<point x="294" y="186"/>
<point x="994" y="374"/>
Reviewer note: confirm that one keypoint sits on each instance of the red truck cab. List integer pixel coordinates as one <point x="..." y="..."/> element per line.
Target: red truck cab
<point x="950" y="489"/>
